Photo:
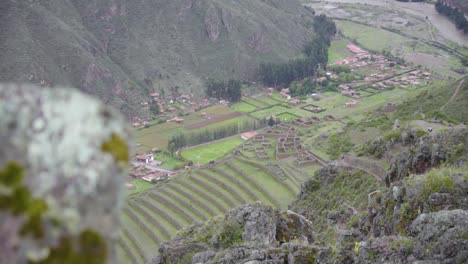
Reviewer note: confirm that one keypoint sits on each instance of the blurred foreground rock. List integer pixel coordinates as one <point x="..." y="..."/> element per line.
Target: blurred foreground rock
<point x="63" y="156"/>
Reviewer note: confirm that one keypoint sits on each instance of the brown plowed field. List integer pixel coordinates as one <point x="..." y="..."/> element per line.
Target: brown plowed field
<point x="213" y="120"/>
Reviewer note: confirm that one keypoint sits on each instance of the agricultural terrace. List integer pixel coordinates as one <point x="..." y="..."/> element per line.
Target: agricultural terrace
<point x="155" y="215"/>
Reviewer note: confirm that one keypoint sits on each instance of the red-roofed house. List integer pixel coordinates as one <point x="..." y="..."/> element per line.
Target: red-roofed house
<point x="248" y="135"/>
<point x="355" y="49"/>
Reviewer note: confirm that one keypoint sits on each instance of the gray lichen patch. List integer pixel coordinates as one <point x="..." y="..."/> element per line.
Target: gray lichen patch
<point x="59" y="137"/>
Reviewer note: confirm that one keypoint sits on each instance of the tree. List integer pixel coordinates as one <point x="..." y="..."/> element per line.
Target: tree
<point x="271" y="122"/>
<point x="154" y="108"/>
<point x="230" y="90"/>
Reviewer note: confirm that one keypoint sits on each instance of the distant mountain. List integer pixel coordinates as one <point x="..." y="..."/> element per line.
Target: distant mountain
<point x="121" y="50"/>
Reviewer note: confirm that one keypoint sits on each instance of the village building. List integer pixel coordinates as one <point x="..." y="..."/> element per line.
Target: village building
<point x="248" y="135"/>
<point x="155" y="150"/>
<point x="145" y="158"/>
<point x="355" y="49"/>
<point x="176" y="119"/>
<point x="344" y="87"/>
<point x="351" y="104"/>
<point x="294" y="101"/>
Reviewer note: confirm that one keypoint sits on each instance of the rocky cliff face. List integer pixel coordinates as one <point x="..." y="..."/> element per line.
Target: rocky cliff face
<point x="122" y="50"/>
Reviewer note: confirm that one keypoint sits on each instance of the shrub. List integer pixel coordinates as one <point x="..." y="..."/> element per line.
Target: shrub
<point x="230" y="234"/>
<point x="421" y="133"/>
<point x="392" y="135"/>
<point x="338" y="145"/>
<point x="402" y="243"/>
<point x="435" y="183"/>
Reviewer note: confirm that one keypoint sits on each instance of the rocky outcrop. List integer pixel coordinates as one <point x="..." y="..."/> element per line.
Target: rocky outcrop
<point x="252" y="233"/>
<point x="62" y="164"/>
<point x="425" y="152"/>
<point x="212" y="23"/>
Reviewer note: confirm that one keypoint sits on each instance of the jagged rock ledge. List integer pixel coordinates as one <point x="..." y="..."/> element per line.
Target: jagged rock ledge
<point x="251" y="233"/>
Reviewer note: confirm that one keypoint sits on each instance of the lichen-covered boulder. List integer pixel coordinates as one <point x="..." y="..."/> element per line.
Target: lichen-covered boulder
<point x="63" y="157"/>
<point x="251" y="233"/>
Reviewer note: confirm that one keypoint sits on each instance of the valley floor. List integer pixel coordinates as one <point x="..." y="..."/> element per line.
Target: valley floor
<point x="271" y="165"/>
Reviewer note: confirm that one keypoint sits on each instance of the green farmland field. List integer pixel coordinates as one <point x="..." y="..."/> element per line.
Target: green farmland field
<point x="213" y="151"/>
<point x="243" y="107"/>
<point x="269" y="111"/>
<point x="287" y="116"/>
<point x="338" y="51"/>
<point x="140" y="185"/>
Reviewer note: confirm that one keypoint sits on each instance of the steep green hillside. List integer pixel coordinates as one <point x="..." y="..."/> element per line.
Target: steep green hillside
<point x="447" y="102"/>
<point x="121" y="50"/>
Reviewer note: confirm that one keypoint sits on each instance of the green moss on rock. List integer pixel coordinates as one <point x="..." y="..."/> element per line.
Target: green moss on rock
<point x="20" y="202"/>
<point x="230" y="234"/>
<point x="118" y="148"/>
<point x="91" y="249"/>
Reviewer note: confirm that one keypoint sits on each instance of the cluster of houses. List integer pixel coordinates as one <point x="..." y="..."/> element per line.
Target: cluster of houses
<point x="284" y="92"/>
<point x="381" y="80"/>
<point x="183" y="103"/>
<point x="348" y="91"/>
<point x="412" y="79"/>
<point x="362" y="58"/>
<point x="145" y="167"/>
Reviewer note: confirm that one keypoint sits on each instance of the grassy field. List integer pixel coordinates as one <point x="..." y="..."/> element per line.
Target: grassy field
<point x="287" y="116"/>
<point x="254" y="102"/>
<point x="338" y="50"/>
<point x="140" y="185"/>
<point x="269" y="111"/>
<point x="268" y="100"/>
<point x="233" y="121"/>
<point x="203" y="154"/>
<point x="169" y="163"/>
<point x="158" y="135"/>
<point x="216" y="110"/>
<point x="369" y="37"/>
<point x="155" y="136"/>
<point x="243" y="107"/>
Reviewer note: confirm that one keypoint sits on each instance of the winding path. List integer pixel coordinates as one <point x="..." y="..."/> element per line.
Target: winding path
<point x="454" y="95"/>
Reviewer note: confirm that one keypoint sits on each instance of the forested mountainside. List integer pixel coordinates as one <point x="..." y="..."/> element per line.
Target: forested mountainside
<point x="400" y="197"/>
<point x="121" y="50"/>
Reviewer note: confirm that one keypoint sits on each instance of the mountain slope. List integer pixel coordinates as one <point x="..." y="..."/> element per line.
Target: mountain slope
<point x="446" y="102"/>
<point x="121" y="50"/>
